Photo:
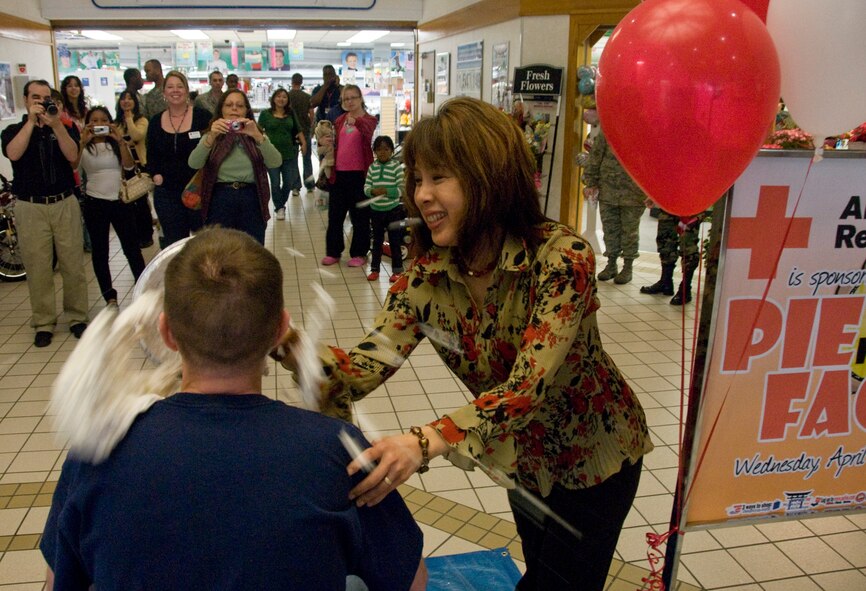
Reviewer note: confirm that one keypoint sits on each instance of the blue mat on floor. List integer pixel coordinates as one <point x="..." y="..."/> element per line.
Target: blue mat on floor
<point x="487" y="570"/>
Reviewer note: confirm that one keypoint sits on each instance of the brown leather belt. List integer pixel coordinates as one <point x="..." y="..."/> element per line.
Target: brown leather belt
<point x="235" y="185"/>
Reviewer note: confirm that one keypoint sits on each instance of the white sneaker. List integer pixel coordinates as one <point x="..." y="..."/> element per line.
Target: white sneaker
<point x="295" y="192"/>
<point x="281" y="213"/>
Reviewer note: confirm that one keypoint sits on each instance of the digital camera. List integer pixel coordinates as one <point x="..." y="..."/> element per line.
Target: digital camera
<point x="236" y="125"/>
<point x="100" y="130"/>
<point x="50" y="107"/>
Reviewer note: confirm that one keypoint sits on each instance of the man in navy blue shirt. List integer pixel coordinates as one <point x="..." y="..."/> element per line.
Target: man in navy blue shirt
<point x="218" y="486"/>
<point x="326" y="96"/>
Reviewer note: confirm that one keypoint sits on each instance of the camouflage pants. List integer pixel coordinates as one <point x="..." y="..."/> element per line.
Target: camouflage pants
<point x="671" y="245"/>
<point x="621" y="227"/>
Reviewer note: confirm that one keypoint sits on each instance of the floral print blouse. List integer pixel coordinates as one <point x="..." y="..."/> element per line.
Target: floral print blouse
<point x="550" y="405"/>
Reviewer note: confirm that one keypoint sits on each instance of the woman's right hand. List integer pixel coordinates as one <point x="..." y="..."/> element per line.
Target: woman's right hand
<point x="87" y="134"/>
<point x="220" y="127"/>
<point x="157" y="179"/>
<point x="283" y="351"/>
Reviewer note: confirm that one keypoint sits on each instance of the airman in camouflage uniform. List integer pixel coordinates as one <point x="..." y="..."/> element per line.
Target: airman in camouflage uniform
<point x="621" y="204"/>
<point x="676" y="237"/>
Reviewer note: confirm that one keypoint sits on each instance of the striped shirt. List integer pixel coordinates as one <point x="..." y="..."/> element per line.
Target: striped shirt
<point x="388" y="176"/>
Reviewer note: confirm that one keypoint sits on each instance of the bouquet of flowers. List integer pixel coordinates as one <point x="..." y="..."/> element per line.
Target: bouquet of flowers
<point x="789" y="139"/>
<point x="536" y="134"/>
<point x="858" y="134"/>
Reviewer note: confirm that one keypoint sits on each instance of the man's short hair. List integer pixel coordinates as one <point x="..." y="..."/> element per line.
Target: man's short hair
<point x="210" y="76"/>
<point x="129" y="73"/>
<point x="232" y="77"/>
<point x="224" y="299"/>
<point x="155" y="62"/>
<point x="36" y="83"/>
<point x="297" y="79"/>
<point x="281" y="51"/>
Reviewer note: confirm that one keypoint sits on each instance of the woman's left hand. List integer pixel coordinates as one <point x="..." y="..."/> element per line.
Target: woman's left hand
<point x="115" y="132"/>
<point x="399" y="456"/>
<point x="252" y="130"/>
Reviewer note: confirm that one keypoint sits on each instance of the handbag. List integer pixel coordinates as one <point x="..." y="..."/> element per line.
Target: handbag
<point x="138" y="185"/>
<point x="191" y="195"/>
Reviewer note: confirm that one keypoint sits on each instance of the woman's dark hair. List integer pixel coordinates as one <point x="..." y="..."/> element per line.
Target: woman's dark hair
<point x="78" y="108"/>
<point x="485" y="151"/>
<point x="383" y="139"/>
<point x="111" y="141"/>
<point x="136" y="109"/>
<point x="218" y="113"/>
<point x="274" y="104"/>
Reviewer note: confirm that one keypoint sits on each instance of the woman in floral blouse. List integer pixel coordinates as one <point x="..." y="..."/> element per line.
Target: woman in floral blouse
<point x="508" y="300"/>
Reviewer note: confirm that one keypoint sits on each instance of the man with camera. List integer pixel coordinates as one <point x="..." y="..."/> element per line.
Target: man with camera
<point x="326" y="96"/>
<point x="48" y="216"/>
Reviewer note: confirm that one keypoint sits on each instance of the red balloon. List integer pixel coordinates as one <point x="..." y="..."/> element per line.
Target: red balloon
<point x="759" y="7"/>
<point x="687" y="91"/>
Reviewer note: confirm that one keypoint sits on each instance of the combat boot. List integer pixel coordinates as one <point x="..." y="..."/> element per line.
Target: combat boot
<point x="609" y="271"/>
<point x="624" y="276"/>
<point x="684" y="293"/>
<point x="665" y="285"/>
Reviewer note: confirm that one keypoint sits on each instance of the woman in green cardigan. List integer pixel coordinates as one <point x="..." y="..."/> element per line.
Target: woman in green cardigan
<point x="235" y="157"/>
<point x="283" y="129"/>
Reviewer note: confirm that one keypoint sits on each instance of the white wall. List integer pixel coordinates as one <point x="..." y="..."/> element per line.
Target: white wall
<point x="86" y="9"/>
<point x="436" y="8"/>
<point x="30" y="10"/>
<point x="532" y="40"/>
<point x="36" y="56"/>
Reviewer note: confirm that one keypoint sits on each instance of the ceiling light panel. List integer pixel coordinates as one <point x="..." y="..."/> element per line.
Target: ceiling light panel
<point x="281" y="34"/>
<point x="366" y="36"/>
<point x="101" y="35"/>
<point x="190" y="34"/>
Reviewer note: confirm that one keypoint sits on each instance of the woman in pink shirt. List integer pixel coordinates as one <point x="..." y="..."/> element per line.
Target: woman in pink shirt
<point x="354" y="154"/>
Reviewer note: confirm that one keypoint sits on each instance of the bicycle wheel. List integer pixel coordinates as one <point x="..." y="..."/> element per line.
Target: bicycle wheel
<point x="11" y="266"/>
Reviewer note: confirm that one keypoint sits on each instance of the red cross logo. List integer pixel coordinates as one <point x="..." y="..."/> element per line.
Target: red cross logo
<point x="764" y="233"/>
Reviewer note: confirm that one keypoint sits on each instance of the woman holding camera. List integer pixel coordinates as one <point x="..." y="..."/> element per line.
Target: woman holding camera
<point x="235" y="156"/>
<point x="103" y="156"/>
<point x="171" y="137"/>
<point x="285" y="132"/>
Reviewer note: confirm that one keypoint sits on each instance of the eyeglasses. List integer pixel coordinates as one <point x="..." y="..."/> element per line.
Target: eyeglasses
<point x="351" y="98"/>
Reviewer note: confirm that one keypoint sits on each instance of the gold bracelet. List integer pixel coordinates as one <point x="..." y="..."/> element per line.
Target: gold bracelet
<point x="425" y="448"/>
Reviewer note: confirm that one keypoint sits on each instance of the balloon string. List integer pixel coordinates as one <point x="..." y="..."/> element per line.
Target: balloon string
<point x="656" y="558"/>
<point x="718" y="416"/>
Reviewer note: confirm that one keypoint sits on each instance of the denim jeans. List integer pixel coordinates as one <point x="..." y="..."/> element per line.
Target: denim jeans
<point x="176" y="220"/>
<point x="308" y="163"/>
<point x="288" y="173"/>
<point x="238" y="209"/>
<point x="99" y="214"/>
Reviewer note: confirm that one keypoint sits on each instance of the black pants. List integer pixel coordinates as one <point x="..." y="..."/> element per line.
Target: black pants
<point x="380" y="221"/>
<point x="346" y="192"/>
<point x="143" y="220"/>
<point x="554" y="558"/>
<point x="99" y="214"/>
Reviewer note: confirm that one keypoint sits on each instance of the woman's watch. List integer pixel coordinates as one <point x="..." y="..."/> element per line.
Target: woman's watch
<point x="425" y="448"/>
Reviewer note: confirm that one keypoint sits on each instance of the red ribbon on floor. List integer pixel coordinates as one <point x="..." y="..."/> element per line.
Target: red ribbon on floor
<point x="656" y="559"/>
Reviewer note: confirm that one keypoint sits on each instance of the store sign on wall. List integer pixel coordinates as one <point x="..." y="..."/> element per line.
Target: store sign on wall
<point x="290" y="5"/>
<point x="783" y="413"/>
<point x="538" y="80"/>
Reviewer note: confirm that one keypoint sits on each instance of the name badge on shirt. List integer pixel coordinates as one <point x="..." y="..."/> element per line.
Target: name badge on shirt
<point x="194" y="135"/>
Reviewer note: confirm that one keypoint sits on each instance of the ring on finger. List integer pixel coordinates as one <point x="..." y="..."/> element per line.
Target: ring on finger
<point x="388" y="481"/>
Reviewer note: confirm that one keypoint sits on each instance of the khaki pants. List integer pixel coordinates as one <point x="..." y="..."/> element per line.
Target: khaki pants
<point x="42" y="229"/>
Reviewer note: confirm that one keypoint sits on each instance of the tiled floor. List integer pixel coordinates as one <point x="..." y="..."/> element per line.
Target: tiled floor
<point x="458" y="511"/>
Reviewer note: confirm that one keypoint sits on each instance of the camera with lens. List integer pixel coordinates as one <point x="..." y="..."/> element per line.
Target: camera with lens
<point x="236" y="125"/>
<point x="50" y="107"/>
